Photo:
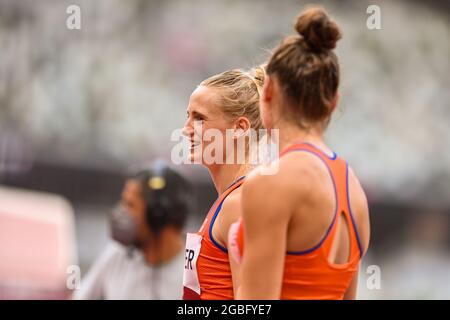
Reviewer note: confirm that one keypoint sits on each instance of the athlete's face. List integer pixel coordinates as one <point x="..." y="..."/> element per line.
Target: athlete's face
<point x="205" y="122"/>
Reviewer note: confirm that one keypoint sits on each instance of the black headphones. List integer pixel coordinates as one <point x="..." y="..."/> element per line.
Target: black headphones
<point x="166" y="195"/>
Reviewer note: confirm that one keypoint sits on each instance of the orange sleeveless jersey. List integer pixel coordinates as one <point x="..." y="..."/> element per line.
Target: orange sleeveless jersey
<point x="308" y="274"/>
<point x="213" y="265"/>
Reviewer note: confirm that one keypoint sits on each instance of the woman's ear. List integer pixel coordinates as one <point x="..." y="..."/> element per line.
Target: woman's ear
<point x="242" y="125"/>
<point x="266" y="101"/>
<point x="335" y="101"/>
<point x="267" y="92"/>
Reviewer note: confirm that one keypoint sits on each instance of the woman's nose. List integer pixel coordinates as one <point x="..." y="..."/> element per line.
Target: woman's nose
<point x="188" y="130"/>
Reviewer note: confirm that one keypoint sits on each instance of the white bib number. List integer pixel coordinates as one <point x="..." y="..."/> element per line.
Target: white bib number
<point x="190" y="276"/>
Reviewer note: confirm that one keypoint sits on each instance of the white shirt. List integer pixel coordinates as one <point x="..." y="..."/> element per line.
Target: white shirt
<point x="122" y="274"/>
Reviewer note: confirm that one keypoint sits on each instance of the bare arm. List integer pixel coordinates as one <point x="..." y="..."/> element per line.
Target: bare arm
<point x="230" y="213"/>
<point x="265" y="229"/>
<point x="360" y="208"/>
<point x="235" y="274"/>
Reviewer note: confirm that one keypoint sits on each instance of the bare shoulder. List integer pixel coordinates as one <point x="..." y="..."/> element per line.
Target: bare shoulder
<point x="286" y="172"/>
<point x="231" y="206"/>
<point x="229" y="213"/>
<point x="277" y="186"/>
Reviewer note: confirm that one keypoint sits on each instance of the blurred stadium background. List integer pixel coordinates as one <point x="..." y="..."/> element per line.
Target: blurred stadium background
<point x="79" y="107"/>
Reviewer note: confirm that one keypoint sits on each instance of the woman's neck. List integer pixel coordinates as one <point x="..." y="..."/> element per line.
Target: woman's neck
<point x="225" y="174"/>
<point x="292" y="133"/>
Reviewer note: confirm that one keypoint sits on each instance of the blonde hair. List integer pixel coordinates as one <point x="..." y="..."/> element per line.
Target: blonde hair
<point x="239" y="93"/>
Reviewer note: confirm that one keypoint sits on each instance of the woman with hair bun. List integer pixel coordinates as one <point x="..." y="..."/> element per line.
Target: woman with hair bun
<point x="305" y="228"/>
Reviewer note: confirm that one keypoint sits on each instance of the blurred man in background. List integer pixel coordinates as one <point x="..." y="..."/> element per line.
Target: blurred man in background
<point x="145" y="260"/>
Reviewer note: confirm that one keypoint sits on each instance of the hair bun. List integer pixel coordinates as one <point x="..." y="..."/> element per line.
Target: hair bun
<point x="258" y="73"/>
<point x="317" y="29"/>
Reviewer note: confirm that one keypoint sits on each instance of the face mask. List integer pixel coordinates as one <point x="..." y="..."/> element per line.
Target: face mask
<point x="123" y="227"/>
